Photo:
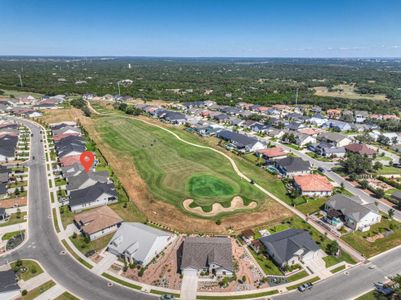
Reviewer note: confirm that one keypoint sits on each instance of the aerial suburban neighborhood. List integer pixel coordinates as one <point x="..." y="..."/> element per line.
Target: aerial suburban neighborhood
<point x="228" y="151"/>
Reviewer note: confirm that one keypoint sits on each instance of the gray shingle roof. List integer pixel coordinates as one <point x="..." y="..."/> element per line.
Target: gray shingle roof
<point x="200" y="252"/>
<point x="74" y="182"/>
<point x="8" y="281"/>
<point x="351" y="207"/>
<point x="91" y="193"/>
<point x="8" y="145"/>
<point x="293" y="164"/>
<point x="284" y="244"/>
<point x="237" y="138"/>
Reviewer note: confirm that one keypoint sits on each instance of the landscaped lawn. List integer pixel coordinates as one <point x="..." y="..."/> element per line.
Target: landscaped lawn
<point x="321" y="240"/>
<point x="297" y="276"/>
<point x="338" y="269"/>
<point x="9" y="235"/>
<point x="357" y="241"/>
<point x="66" y="296"/>
<point x="39" y="290"/>
<point x="60" y="181"/>
<point x="268" y="266"/>
<point x="15" y="218"/>
<point x="67" y="216"/>
<point x="331" y="260"/>
<point x="372" y="295"/>
<point x="172" y="168"/>
<point x="387" y="170"/>
<point x="96" y="245"/>
<point x="33" y="269"/>
<point x="313" y="205"/>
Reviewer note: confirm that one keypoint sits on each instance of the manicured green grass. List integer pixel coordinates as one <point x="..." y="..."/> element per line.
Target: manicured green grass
<point x="313" y="205"/>
<point x="297" y="276"/>
<point x="295" y="286"/>
<point x="39" y="290"/>
<point x="9" y="235"/>
<point x="50" y="183"/>
<point x="60" y="182"/>
<point x="372" y="295"/>
<point x="322" y="241"/>
<point x="167" y="164"/>
<point x="357" y="241"/>
<point x="249" y="296"/>
<point x="81" y="260"/>
<point x="330" y="261"/>
<point x="208" y="186"/>
<point x="51" y="197"/>
<point x="55" y="220"/>
<point x="66" y="296"/>
<point x="387" y="170"/>
<point x="338" y="269"/>
<point x="14" y="219"/>
<point x="33" y="269"/>
<point x="122" y="282"/>
<point x="163" y="293"/>
<point x="96" y="245"/>
<point x="268" y="266"/>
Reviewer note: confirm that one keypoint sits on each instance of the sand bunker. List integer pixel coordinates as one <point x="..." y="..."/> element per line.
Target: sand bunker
<point x="217" y="208"/>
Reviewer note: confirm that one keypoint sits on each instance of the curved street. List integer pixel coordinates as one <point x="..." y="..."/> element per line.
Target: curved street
<point x="43" y="243"/>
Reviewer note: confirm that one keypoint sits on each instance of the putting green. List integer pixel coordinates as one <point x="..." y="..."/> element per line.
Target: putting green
<point x="209" y="186"/>
<point x="175" y="171"/>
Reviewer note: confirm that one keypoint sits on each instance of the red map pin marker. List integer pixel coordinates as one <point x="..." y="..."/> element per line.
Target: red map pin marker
<point x="87" y="158"/>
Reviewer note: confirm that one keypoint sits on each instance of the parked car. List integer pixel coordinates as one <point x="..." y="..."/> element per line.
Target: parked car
<point x="167" y="297"/>
<point x="306" y="286"/>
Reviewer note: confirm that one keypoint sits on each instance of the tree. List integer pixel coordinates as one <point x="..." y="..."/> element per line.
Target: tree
<point x="356" y="164"/>
<point x="332" y="248"/>
<point x="378" y="165"/>
<point x="364" y="184"/>
<point x="391" y="213"/>
<point x="379" y="193"/>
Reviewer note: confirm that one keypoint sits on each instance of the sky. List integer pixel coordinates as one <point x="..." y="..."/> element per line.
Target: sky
<point x="202" y="28"/>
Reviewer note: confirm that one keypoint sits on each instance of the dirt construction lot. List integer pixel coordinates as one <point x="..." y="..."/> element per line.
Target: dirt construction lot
<point x="163" y="212"/>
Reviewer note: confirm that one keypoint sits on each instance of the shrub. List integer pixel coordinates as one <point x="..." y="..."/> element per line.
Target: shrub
<point x="24" y="292"/>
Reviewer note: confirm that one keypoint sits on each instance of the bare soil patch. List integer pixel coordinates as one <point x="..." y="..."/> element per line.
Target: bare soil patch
<point x="236" y="204"/>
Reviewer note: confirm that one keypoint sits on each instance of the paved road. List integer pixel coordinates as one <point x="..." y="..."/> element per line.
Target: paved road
<point x="44" y="246"/>
<point x="359" y="280"/>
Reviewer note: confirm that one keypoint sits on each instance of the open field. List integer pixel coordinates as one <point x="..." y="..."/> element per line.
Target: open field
<point x="18" y="94"/>
<point x="165" y="212"/>
<point x="346" y="91"/>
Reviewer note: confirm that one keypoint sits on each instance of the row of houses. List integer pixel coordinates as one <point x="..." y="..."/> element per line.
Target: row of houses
<point x="84" y="189"/>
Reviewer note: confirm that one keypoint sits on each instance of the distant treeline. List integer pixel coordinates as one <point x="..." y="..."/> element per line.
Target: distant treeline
<point x="228" y="81"/>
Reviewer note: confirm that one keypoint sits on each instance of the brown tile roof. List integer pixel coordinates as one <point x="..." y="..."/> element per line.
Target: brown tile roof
<point x="273" y="152"/>
<point x="313" y="183"/>
<point x="69" y="160"/>
<point x="360" y="148"/>
<point x="15" y="202"/>
<point x="97" y="219"/>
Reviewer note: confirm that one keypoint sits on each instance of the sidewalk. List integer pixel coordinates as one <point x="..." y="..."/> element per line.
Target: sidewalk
<point x="34" y="282"/>
<point x="52" y="293"/>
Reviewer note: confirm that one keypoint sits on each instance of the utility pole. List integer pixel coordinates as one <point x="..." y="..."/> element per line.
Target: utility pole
<point x="118" y="84"/>
<point x="296" y="97"/>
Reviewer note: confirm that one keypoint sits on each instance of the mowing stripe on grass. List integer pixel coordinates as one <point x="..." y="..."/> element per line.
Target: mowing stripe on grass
<point x="55" y="220"/>
<point x="338" y="269"/>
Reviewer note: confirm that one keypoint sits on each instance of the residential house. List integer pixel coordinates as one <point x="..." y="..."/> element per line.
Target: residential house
<point x="247" y="236"/>
<point x="173" y="117"/>
<point x="334" y="138"/>
<point x="271" y="154"/>
<point x="86" y="179"/>
<point x="313" y="185"/>
<point x="68" y="161"/>
<point x="291" y="166"/>
<point x="396" y="196"/>
<point x="337" y="125"/>
<point x="96" y="195"/>
<point x="361" y="116"/>
<point x="318" y="120"/>
<point x="354" y="214"/>
<point x="221" y="118"/>
<point x="8" y="146"/>
<point x="240" y="142"/>
<point x="3" y="214"/>
<point x="290" y="247"/>
<point x="139" y="243"/>
<point x="327" y="150"/>
<point x="276" y="133"/>
<point x="207" y="254"/>
<point x="97" y="222"/>
<point x="303" y="140"/>
<point x="72" y="170"/>
<point x="9" y="288"/>
<point x="67" y="129"/>
<point x="361" y="149"/>
<point x="334" y="113"/>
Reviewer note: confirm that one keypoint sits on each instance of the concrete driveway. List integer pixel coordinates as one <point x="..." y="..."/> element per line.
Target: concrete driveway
<point x="189" y="285"/>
